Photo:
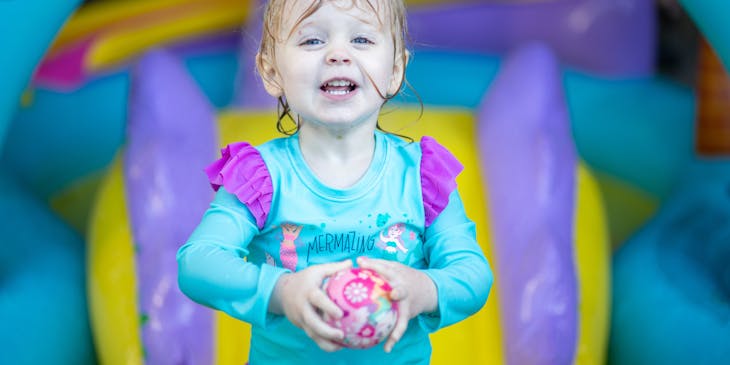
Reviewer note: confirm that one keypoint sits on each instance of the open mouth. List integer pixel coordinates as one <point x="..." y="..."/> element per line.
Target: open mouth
<point x="338" y="87"/>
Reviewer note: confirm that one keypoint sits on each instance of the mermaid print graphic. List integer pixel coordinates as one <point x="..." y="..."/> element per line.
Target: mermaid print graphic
<point x="392" y="239"/>
<point x="288" y="249"/>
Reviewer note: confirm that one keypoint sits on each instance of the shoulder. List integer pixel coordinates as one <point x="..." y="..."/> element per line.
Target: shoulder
<point x="437" y="158"/>
<point x="430" y="154"/>
<point x="242" y="172"/>
<point x="437" y="170"/>
<point x="242" y="156"/>
<point x="428" y="148"/>
<point x="238" y="159"/>
<point x="274" y="147"/>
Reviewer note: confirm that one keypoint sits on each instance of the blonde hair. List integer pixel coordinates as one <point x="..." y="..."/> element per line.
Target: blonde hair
<point x="394" y="12"/>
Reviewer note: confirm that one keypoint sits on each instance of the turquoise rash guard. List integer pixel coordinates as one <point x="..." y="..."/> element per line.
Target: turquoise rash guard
<point x="271" y="216"/>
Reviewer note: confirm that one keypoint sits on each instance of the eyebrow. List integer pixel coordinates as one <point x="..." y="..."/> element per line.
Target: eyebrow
<point x="304" y="23"/>
<point x="366" y="21"/>
<point x="299" y="27"/>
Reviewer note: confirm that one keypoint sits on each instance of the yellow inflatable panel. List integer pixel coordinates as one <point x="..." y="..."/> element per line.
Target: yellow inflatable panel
<point x="593" y="252"/>
<point x="94" y="17"/>
<point x="232" y="339"/>
<point x="100" y="16"/>
<point x="477" y="340"/>
<point x="111" y="279"/>
<point x="119" y="45"/>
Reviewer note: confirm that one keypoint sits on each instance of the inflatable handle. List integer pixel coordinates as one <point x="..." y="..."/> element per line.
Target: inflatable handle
<point x="171" y="138"/>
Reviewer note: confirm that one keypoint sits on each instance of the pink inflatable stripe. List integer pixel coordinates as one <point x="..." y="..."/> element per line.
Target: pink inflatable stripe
<point x="66" y="69"/>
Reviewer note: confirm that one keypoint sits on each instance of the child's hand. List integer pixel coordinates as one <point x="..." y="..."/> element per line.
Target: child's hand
<point x="413" y="289"/>
<point x="299" y="296"/>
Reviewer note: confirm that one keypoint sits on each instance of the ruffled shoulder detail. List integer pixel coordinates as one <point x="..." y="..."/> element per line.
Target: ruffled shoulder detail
<point x="439" y="169"/>
<point x="242" y="171"/>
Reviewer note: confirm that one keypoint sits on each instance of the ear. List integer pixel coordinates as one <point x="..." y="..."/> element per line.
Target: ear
<point x="269" y="75"/>
<point x="399" y="69"/>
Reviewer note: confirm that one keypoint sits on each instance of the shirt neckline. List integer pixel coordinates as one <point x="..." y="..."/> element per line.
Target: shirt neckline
<point x="373" y="173"/>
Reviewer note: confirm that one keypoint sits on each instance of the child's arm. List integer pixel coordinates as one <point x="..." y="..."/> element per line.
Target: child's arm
<point x="213" y="272"/>
<point x="211" y="266"/>
<point x="457" y="266"/>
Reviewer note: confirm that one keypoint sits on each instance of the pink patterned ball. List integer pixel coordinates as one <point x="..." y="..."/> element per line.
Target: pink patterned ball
<point x="369" y="313"/>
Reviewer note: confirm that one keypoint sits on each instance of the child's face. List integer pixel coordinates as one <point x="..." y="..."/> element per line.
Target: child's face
<point x="335" y="66"/>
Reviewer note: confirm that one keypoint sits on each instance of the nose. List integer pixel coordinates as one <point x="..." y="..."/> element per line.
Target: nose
<point x="338" y="56"/>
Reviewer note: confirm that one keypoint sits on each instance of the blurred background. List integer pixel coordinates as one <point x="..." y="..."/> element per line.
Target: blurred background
<point x="595" y="135"/>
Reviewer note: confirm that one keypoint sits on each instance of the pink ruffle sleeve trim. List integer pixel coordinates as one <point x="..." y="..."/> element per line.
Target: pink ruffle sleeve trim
<point x="439" y="169"/>
<point x="242" y="171"/>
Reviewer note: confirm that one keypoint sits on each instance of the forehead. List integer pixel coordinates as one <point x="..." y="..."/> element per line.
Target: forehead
<point x="368" y="11"/>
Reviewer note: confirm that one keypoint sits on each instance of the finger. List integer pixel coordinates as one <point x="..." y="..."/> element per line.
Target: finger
<point x="387" y="270"/>
<point x="321" y="301"/>
<point x="329" y="269"/>
<point x="317" y="327"/>
<point x="400" y="328"/>
<point x="326" y="345"/>
<point x="382" y="267"/>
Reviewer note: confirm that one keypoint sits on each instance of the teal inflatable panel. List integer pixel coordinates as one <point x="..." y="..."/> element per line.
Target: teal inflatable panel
<point x="639" y="130"/>
<point x="43" y="307"/>
<point x="671" y="282"/>
<point x="712" y="17"/>
<point x="25" y="34"/>
<point x="62" y="137"/>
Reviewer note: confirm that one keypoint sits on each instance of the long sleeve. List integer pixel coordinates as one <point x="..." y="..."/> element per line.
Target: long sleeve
<point x="457" y="266"/>
<point x="211" y="266"/>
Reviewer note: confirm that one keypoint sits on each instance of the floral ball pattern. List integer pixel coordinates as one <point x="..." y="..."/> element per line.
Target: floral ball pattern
<point x="369" y="313"/>
<point x="357" y="291"/>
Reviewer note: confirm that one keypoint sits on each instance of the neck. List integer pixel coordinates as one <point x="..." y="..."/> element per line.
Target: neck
<point x="338" y="157"/>
<point x="329" y="143"/>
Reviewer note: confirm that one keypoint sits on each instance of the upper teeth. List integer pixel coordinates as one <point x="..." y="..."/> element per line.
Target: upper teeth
<point x="339" y="83"/>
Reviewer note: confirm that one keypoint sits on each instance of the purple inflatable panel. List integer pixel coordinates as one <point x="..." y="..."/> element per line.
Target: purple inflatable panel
<point x="171" y="137"/>
<point x="529" y="162"/>
<point x="606" y="37"/>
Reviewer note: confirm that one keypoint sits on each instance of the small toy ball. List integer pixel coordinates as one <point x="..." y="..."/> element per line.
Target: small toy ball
<point x="369" y="314"/>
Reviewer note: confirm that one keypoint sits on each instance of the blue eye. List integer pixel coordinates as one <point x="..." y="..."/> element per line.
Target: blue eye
<point x="362" y="40"/>
<point x="311" y="42"/>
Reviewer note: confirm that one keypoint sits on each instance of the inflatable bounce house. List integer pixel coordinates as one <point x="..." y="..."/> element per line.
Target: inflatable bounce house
<point x="599" y="185"/>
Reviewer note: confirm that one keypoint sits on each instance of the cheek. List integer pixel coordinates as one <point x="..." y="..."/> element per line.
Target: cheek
<point x="382" y="74"/>
<point x="386" y="69"/>
<point x="296" y="81"/>
<point x="293" y="67"/>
